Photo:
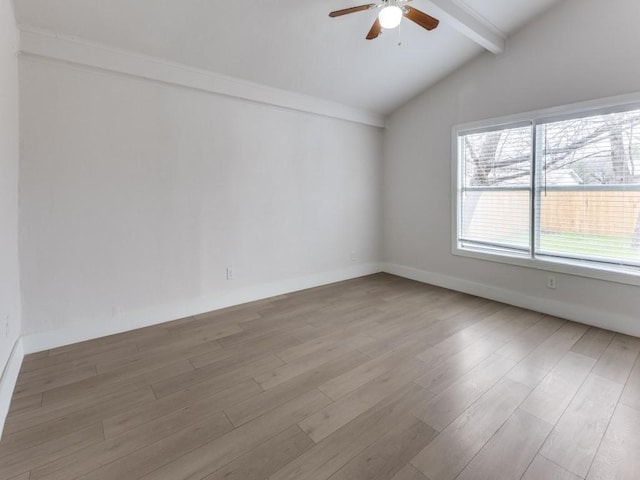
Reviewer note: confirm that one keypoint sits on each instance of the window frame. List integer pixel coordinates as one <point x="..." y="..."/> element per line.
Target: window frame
<point x="564" y="265"/>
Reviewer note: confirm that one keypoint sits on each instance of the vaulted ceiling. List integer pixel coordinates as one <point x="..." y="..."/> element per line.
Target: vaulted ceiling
<point x="293" y="44"/>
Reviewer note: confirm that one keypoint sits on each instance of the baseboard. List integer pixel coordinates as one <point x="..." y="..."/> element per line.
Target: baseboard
<point x="37" y="342"/>
<point x="8" y="380"/>
<point x="569" y="311"/>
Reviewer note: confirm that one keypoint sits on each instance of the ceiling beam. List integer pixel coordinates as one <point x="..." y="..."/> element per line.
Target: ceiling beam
<point x="470" y="25"/>
<point x="40" y="44"/>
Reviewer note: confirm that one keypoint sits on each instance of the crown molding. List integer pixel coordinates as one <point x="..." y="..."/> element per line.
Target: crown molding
<point x="43" y="44"/>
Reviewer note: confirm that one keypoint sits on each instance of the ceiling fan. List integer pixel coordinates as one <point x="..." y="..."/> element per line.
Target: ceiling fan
<point x="390" y="15"/>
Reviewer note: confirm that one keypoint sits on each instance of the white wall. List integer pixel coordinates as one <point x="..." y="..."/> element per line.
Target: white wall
<point x="9" y="275"/>
<point x="137" y="195"/>
<point x="578" y="51"/>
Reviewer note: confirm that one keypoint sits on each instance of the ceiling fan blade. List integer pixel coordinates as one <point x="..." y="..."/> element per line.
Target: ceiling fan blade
<point x="375" y="30"/>
<point x="344" y="11"/>
<point x="421" y="18"/>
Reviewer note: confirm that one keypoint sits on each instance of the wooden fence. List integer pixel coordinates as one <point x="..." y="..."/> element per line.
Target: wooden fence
<point x="496" y="215"/>
<point x="613" y="213"/>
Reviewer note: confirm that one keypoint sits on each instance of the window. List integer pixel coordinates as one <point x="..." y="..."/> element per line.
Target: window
<point x="555" y="192"/>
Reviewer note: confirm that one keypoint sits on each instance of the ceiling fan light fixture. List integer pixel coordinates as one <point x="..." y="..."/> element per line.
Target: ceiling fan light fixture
<point x="390" y="16"/>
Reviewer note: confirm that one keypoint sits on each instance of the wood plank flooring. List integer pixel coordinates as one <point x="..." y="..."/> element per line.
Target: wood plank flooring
<point x="378" y="378"/>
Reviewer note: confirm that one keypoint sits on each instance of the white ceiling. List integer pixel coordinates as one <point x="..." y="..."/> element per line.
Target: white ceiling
<point x="287" y="44"/>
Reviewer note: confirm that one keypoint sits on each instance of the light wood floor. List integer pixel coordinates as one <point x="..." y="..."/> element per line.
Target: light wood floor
<point x="375" y="378"/>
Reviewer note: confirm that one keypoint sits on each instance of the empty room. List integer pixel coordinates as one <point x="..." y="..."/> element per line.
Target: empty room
<point x="319" y="240"/>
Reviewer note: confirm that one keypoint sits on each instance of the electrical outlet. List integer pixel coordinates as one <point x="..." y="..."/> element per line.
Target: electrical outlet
<point x="551" y="282"/>
<point x="229" y="273"/>
<point x="353" y="257"/>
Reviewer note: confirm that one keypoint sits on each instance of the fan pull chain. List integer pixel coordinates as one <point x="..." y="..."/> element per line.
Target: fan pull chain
<point x="399" y="35"/>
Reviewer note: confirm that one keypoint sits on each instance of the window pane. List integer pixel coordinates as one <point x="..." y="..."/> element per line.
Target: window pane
<point x="498" y="158"/>
<point x="496" y="218"/>
<point x="495" y="202"/>
<point x="589" y="188"/>
<point x="602" y="225"/>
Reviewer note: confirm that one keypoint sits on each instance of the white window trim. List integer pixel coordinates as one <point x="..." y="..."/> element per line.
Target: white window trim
<point x="566" y="266"/>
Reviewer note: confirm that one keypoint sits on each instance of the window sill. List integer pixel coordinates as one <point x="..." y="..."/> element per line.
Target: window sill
<point x="570" y="267"/>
